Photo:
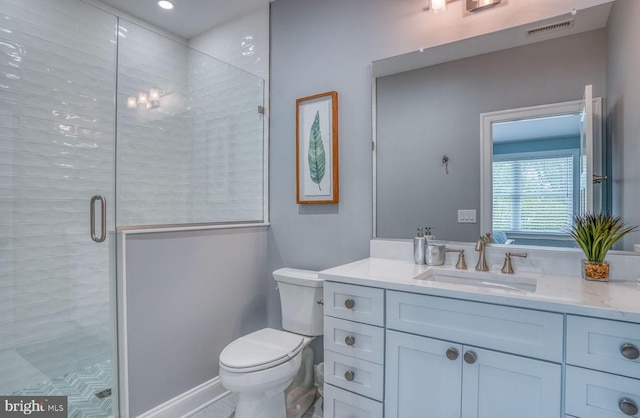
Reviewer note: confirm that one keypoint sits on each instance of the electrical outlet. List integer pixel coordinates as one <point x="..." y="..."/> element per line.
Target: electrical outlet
<point x="466" y="216"/>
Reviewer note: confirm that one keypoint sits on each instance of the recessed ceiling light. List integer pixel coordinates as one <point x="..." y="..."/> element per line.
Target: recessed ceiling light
<point x="167" y="5"/>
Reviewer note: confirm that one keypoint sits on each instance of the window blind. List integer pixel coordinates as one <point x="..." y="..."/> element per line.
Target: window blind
<point x="533" y="194"/>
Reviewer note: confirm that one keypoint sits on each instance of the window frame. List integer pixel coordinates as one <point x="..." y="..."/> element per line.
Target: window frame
<point x="486" y="146"/>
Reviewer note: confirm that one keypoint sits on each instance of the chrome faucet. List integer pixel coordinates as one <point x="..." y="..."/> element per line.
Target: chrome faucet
<point x="482" y="258"/>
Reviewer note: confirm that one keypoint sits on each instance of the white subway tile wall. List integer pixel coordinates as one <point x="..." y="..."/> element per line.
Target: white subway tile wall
<point x="154" y="143"/>
<point x="242" y="42"/>
<point x="57" y="83"/>
<point x="228" y="140"/>
<point x="195" y="156"/>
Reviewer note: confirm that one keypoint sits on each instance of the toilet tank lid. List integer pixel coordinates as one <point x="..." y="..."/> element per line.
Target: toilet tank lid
<point x="299" y="277"/>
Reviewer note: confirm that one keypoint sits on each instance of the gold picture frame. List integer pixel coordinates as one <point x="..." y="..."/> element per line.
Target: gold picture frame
<point x="317" y="148"/>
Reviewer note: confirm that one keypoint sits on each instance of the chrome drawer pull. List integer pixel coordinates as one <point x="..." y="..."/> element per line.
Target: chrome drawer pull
<point x="349" y="376"/>
<point x="629" y="351"/>
<point x="628" y="407"/>
<point x="452" y="353"/>
<point x="349" y="303"/>
<point x="349" y="340"/>
<point x="470" y="357"/>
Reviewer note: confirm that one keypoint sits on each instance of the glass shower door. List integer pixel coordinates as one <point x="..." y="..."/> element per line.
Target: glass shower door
<point x="57" y="149"/>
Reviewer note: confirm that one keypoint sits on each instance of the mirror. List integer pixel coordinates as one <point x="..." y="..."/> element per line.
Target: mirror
<point x="427" y="157"/>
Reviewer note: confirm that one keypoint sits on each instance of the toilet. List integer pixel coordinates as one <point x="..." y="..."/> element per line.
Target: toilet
<point x="260" y="366"/>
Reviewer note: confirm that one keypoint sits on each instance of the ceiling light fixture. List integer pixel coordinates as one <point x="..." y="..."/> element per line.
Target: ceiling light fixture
<point x="439" y="6"/>
<point x="475" y="5"/>
<point x="167" y="5"/>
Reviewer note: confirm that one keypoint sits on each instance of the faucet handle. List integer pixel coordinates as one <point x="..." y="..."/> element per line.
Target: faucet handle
<point x="510" y="254"/>
<point x="461" y="264"/>
<point x="508" y="267"/>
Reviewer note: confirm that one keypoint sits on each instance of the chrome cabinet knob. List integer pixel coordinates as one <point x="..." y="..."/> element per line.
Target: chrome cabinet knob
<point x="470" y="357"/>
<point x="350" y="340"/>
<point x="349" y="376"/>
<point x="452" y="353"/>
<point x="349" y="303"/>
<point x="629" y="351"/>
<point x="628" y="407"/>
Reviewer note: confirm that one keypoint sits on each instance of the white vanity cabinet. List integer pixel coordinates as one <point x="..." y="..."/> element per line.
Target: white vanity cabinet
<point x="443" y="373"/>
<point x="396" y="350"/>
<point x="603" y="368"/>
<point x="353" y="351"/>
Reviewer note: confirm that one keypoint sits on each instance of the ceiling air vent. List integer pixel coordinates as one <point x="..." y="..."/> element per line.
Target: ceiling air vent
<point x="553" y="27"/>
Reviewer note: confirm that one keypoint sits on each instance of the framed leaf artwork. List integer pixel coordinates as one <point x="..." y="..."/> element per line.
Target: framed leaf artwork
<point x="317" y="148"/>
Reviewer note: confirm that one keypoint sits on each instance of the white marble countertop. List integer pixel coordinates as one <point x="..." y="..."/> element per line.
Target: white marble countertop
<point x="566" y="294"/>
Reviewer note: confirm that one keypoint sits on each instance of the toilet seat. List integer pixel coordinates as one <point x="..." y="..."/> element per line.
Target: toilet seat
<point x="260" y="350"/>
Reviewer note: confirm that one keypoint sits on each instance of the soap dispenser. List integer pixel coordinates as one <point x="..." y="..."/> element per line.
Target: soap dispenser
<point x="427" y="234"/>
<point x="419" y="247"/>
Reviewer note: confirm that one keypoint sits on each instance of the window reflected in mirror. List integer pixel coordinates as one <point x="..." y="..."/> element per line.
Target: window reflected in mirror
<point x="535" y="172"/>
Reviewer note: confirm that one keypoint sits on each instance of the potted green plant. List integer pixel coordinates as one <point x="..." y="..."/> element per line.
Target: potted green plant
<point x="596" y="234"/>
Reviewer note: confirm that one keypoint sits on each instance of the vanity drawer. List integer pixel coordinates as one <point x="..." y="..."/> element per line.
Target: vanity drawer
<point x="360" y="376"/>
<point x="354" y="339"/>
<point x="339" y="403"/>
<point x="596" y="394"/>
<point x="513" y="330"/>
<point x="602" y="344"/>
<point x="354" y="303"/>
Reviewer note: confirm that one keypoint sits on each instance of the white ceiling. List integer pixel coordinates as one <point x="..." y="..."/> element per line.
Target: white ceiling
<point x="189" y="17"/>
<point x="547" y="127"/>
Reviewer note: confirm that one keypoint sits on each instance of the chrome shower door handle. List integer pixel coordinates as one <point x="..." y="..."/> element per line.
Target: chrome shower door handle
<point x="103" y="222"/>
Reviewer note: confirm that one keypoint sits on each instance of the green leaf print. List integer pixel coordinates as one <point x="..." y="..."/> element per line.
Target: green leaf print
<point x="317" y="158"/>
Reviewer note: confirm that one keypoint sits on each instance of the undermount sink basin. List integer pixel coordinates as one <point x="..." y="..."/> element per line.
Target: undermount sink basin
<point x="518" y="282"/>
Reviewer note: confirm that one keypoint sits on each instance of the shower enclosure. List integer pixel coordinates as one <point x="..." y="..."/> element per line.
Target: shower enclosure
<point x="104" y="125"/>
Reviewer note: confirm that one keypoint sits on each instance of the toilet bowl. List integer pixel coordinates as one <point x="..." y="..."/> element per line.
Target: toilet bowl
<point x="258" y="367"/>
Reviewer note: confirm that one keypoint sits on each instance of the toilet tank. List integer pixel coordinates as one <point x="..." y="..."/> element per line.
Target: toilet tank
<point x="300" y="291"/>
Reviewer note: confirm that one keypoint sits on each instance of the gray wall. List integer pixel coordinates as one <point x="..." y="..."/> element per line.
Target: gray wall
<point x="319" y="46"/>
<point x="623" y="112"/>
<point x="189" y="294"/>
<point x="427" y="113"/>
<point x="316" y="46"/>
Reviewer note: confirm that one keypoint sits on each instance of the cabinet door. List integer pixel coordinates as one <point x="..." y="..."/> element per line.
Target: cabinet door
<point x="420" y="381"/>
<point x="340" y="403"/>
<point x="497" y="385"/>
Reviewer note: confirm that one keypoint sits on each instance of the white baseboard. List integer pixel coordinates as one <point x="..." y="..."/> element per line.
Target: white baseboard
<point x="190" y="402"/>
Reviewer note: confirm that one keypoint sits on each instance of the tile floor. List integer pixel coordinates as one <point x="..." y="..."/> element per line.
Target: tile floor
<point x="80" y="387"/>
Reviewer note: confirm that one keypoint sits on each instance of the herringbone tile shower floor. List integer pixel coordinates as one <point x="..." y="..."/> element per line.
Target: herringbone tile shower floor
<point x="80" y="387"/>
